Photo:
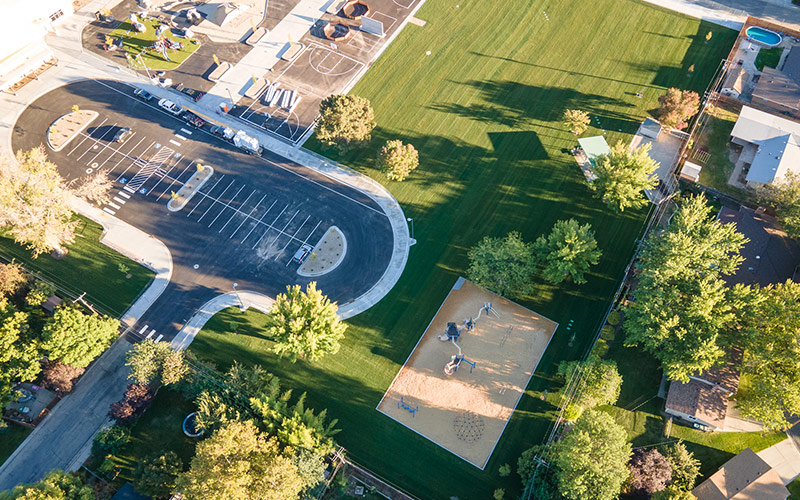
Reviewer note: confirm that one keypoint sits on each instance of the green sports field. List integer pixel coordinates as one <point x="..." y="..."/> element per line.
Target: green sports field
<point x="484" y="109"/>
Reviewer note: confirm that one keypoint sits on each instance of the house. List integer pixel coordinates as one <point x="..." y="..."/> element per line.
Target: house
<point x="770" y="255"/>
<point x="779" y="89"/>
<point x="128" y="493"/>
<point x="770" y="145"/>
<point x="735" y="82"/>
<point x="704" y="398"/>
<point x="744" y="477"/>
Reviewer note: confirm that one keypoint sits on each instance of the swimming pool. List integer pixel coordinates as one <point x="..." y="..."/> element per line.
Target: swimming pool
<point x="763" y="36"/>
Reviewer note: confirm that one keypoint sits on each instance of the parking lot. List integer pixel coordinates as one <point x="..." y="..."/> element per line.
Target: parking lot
<point x="244" y="224"/>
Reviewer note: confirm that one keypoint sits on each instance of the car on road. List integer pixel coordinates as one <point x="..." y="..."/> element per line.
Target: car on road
<point x="123" y="134"/>
<point x="222" y="132"/>
<point x="194" y="120"/>
<point x="171" y="107"/>
<point x="302" y="253"/>
<point x="143" y="95"/>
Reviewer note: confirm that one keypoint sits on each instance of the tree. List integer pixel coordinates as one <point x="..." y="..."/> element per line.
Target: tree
<point x="771" y="360"/>
<point x="111" y="440"/>
<point x="677" y="107"/>
<point x="12" y="279"/>
<point x="397" y="160"/>
<point x="310" y="466"/>
<point x="650" y="472"/>
<point x="591" y="460"/>
<point x="576" y="120"/>
<point x="784" y="197"/>
<point x="136" y="400"/>
<point x="57" y="485"/>
<point x="345" y="122"/>
<point x="567" y="252"/>
<point x="18" y="355"/>
<point x="156" y="475"/>
<point x="155" y="362"/>
<point x="527" y="463"/>
<point x="60" y="377"/>
<point x="623" y="175"/>
<point x="39" y="293"/>
<point x="239" y="463"/>
<point x="304" y="324"/>
<point x="503" y="265"/>
<point x="683" y="309"/>
<point x="685" y="468"/>
<point x="601" y="383"/>
<point x="34" y="203"/>
<point x="674" y="493"/>
<point x="95" y="188"/>
<point x="75" y="338"/>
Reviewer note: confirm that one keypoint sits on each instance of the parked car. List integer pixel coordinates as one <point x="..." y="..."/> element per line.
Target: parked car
<point x="194" y="94"/>
<point x="194" y="120"/>
<point x="143" y="95"/>
<point x="123" y="134"/>
<point x="222" y="131"/>
<point x="171" y="107"/>
<point x="302" y="253"/>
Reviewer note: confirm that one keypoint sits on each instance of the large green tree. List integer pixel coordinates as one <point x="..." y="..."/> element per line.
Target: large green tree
<point x="677" y="107"/>
<point x="397" y="160"/>
<point x="784" y="197"/>
<point x="155" y="362"/>
<point x="503" y="265"/>
<point x="682" y="308"/>
<point x="345" y="122"/>
<point x="239" y="463"/>
<point x="75" y="338"/>
<point x="157" y="474"/>
<point x="771" y="360"/>
<point x="623" y="175"/>
<point x="591" y="460"/>
<point x="600" y="384"/>
<point x="685" y="467"/>
<point x="57" y="485"/>
<point x="304" y="324"/>
<point x="567" y="252"/>
<point x="18" y="354"/>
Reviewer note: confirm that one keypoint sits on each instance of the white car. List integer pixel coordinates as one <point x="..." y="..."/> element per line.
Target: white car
<point x="170" y="106"/>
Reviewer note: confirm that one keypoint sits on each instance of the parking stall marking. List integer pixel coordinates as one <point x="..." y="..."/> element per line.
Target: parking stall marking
<point x="135" y="160"/>
<point x="166" y="176"/>
<point x="269" y="226"/>
<point x="293" y="237"/>
<point x="306" y="240"/>
<point x="93" y="145"/>
<point x="248" y="216"/>
<point x="215" y="201"/>
<point x="227" y="205"/>
<point x="280" y="231"/>
<point x="236" y="212"/>
<point x="85" y="136"/>
<point x="174" y="180"/>
<point x="204" y="195"/>
<point x="259" y="220"/>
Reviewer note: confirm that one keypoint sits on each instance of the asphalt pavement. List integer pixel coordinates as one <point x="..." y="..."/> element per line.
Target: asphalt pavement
<point x="245" y="224"/>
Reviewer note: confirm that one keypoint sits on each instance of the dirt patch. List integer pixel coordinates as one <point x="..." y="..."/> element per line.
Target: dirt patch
<point x="466" y="412"/>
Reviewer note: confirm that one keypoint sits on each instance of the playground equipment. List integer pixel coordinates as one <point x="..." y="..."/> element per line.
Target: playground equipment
<point x="453" y="332"/>
<point x="411" y="409"/>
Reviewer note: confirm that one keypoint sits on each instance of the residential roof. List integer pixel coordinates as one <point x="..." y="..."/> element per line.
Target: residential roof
<point x="594" y="147"/>
<point x="735" y="79"/>
<point x="128" y="493"/>
<point x="770" y="256"/>
<point x="778" y="87"/>
<point x="791" y="65"/>
<point x="744" y="477"/>
<point x="778" y="141"/>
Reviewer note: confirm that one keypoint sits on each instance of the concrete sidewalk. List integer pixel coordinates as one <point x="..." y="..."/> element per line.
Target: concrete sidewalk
<point x="733" y="13"/>
<point x="784" y="457"/>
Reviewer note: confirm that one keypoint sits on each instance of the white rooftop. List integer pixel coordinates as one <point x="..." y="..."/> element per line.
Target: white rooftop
<point x="778" y="141"/>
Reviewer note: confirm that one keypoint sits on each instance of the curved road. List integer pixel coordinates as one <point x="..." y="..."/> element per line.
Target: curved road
<point x="244" y="227"/>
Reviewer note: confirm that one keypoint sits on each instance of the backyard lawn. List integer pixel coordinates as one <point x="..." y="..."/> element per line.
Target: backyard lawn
<point x="89" y="267"/>
<point x="484" y="110"/>
<point x="794" y="488"/>
<point x="768" y="57"/>
<point x="10" y="439"/>
<point x="136" y="43"/>
<point x="711" y="150"/>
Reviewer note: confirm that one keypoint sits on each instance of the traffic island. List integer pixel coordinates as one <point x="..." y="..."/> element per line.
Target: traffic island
<point x="67" y="127"/>
<point x="190" y="188"/>
<point x="326" y="255"/>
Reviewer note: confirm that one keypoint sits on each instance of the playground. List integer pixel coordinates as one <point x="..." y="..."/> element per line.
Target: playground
<point x="466" y="375"/>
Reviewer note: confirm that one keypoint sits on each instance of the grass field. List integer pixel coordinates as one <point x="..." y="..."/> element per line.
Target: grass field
<point x="639" y="411"/>
<point x="135" y="43"/>
<point x="794" y="488"/>
<point x="484" y="110"/>
<point x="768" y="57"/>
<point x="89" y="267"/>
<point x="11" y="439"/>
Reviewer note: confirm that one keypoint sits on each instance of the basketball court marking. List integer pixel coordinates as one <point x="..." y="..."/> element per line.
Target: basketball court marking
<point x="315" y="61"/>
<point x="404" y="5"/>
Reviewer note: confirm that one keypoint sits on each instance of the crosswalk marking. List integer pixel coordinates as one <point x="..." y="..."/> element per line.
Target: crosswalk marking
<point x="158" y="339"/>
<point x="143" y="329"/>
<point x="151" y="333"/>
<point x="120" y="201"/>
<point x="107" y="210"/>
<point x="180" y="137"/>
<point x="126" y="188"/>
<point x="186" y="131"/>
<point x="124" y="195"/>
<point x="175" y="142"/>
<point x="113" y="205"/>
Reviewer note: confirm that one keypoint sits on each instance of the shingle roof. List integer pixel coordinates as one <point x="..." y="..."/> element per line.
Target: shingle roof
<point x="777" y="87"/>
<point x="744" y="477"/>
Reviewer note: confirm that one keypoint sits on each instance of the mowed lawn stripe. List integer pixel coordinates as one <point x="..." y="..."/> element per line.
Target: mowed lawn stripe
<point x="484" y="110"/>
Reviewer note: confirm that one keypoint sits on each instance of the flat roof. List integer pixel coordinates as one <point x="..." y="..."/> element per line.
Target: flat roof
<point x="594" y="147"/>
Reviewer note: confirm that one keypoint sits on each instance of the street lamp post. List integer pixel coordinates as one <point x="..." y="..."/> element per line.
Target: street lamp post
<point x="241" y="304"/>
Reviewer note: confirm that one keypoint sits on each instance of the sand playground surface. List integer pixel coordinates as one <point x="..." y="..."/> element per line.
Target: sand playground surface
<point x="465" y="412"/>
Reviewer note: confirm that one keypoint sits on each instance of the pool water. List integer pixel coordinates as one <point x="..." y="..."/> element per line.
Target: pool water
<point x="763" y="35"/>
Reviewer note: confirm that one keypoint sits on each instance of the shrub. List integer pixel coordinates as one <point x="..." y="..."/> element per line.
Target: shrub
<point x="504" y="470"/>
<point x="613" y="318"/>
<point x="397" y="160"/>
<point x="60" y="377"/>
<point x="39" y="293"/>
<point x="650" y="472"/>
<point x="136" y="400"/>
<point x="110" y="440"/>
<point x="600" y="348"/>
<point x="498" y="494"/>
<point x="607" y="333"/>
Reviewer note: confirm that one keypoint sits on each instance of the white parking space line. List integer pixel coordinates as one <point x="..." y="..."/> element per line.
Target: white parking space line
<point x="106" y="145"/>
<point x="203" y="198"/>
<point x="175" y="142"/>
<point x="121" y="202"/>
<point x="86" y="136"/>
<point x="282" y="231"/>
<point x="228" y="204"/>
<point x="188" y="132"/>
<point x="143" y="329"/>
<point x="126" y="188"/>
<point x="149" y="335"/>
<point x="269" y="226"/>
<point x="258" y="223"/>
<point x="166" y="176"/>
<point x="124" y="194"/>
<point x="236" y="212"/>
<point x="107" y="210"/>
<point x="90" y="148"/>
<point x="127" y="155"/>
<point x="158" y="339"/>
<point x="248" y="216"/>
<point x="134" y="160"/>
<point x="215" y="201"/>
<point x="306" y="240"/>
<point x="292" y="238"/>
<point x="113" y="205"/>
<point x="174" y="180"/>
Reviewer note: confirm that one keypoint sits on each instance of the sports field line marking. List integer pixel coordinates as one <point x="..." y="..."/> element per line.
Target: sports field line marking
<point x="85" y="136"/>
<point x="234" y="213"/>
<point x="215" y="200"/>
<point x="287" y="169"/>
<point x="259" y="220"/>
<point x="250" y="214"/>
<point x="227" y="205"/>
<point x="204" y="199"/>
<point x="293" y="237"/>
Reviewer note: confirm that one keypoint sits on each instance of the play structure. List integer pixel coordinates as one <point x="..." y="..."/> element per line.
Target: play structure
<point x="337" y="32"/>
<point x="453" y="332"/>
<point x="405" y="406"/>
<point x="355" y="9"/>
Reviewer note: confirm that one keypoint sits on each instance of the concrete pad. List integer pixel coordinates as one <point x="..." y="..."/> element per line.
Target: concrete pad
<point x="784" y="457"/>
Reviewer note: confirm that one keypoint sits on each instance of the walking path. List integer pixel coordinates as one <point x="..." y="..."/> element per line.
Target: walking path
<point x="784" y="457"/>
